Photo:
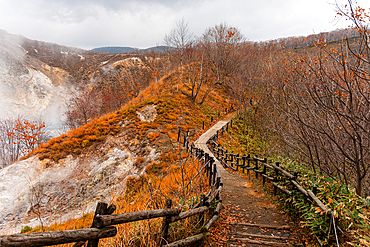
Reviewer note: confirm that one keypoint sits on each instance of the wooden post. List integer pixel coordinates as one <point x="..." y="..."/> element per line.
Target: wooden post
<point x="244" y="158"/>
<point x="214" y="172"/>
<point x="263" y="177"/>
<point x="178" y="135"/>
<point x="210" y="173"/>
<point x="165" y="224"/>
<point x="314" y="190"/>
<point x="249" y="163"/>
<point x="256" y="168"/>
<point x="101" y="208"/>
<point x="201" y="215"/>
<point x="203" y="124"/>
<point x="218" y="182"/>
<point x="211" y="119"/>
<point x="264" y="171"/>
<point x="275" y="188"/>
<point x="226" y="156"/>
<point x="205" y="162"/>
<point x="277" y="171"/>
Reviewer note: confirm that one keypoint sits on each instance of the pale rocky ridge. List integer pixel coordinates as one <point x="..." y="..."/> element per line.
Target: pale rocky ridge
<point x="36" y="79"/>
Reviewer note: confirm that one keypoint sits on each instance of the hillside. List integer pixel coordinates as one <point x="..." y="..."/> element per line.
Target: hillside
<point x="72" y="172"/>
<point x="38" y="78"/>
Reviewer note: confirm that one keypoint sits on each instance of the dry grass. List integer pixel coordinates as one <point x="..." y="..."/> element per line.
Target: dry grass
<point x="170" y="176"/>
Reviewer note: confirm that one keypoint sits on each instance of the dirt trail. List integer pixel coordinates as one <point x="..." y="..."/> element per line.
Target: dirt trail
<point x="250" y="219"/>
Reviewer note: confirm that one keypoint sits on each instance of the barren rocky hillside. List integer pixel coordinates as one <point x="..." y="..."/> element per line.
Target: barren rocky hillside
<point x="36" y="78"/>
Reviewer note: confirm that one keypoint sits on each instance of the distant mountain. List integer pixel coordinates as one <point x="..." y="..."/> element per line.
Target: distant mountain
<point x="114" y="50"/>
<point x="118" y="50"/>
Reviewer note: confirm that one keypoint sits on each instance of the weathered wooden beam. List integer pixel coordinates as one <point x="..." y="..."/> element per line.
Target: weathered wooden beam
<point x="188" y="241"/>
<point x="269" y="178"/>
<point x="318" y="202"/>
<point x="282" y="188"/>
<point x="189" y="213"/>
<point x="218" y="207"/>
<point x="108" y="220"/>
<point x="165" y="225"/>
<point x="283" y="171"/>
<point x="56" y="237"/>
<point x="212" y="221"/>
<point x="214" y="195"/>
<point x="300" y="188"/>
<point x="101" y="208"/>
<point x="262" y="236"/>
<point x="286" y="227"/>
<point x="268" y="166"/>
<point x="260" y="242"/>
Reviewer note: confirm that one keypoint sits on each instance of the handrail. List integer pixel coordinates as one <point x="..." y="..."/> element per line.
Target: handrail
<point x="103" y="221"/>
<point x="274" y="167"/>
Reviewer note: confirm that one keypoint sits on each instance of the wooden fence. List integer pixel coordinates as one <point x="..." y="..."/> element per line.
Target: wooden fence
<point x="104" y="219"/>
<point x="260" y="167"/>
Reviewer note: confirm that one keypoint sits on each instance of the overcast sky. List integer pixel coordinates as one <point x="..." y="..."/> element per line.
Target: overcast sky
<point x="143" y="23"/>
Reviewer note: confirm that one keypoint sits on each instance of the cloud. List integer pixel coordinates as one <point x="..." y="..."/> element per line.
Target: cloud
<point x="143" y="23"/>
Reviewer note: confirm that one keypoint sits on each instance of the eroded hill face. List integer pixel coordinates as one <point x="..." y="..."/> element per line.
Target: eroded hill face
<point x="70" y="187"/>
<point x="37" y="78"/>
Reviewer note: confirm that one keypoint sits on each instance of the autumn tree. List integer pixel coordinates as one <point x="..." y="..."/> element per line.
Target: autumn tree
<point x="192" y="72"/>
<point x="18" y="137"/>
<point x="9" y="150"/>
<point x="84" y="105"/>
<point x="221" y="47"/>
<point x="324" y="104"/>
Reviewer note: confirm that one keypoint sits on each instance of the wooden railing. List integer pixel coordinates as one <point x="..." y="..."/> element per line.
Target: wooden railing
<point x="260" y="167"/>
<point x="103" y="225"/>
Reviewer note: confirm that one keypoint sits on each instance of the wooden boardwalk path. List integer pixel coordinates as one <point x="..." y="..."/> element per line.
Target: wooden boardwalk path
<point x="251" y="219"/>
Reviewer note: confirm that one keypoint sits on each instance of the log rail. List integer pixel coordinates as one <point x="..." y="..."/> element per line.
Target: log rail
<point x="277" y="174"/>
<point x="104" y="220"/>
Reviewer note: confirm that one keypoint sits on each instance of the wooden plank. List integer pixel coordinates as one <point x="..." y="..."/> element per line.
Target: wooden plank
<point x="263" y="236"/>
<point x="268" y="166"/>
<point x="212" y="221"/>
<point x="282" y="188"/>
<point x="286" y="227"/>
<point x="258" y="159"/>
<point x="300" y="188"/>
<point x="225" y="164"/>
<point x="269" y="178"/>
<point x="214" y="195"/>
<point x="108" y="220"/>
<point x="101" y="208"/>
<point x="318" y="202"/>
<point x="260" y="243"/>
<point x="218" y="208"/>
<point x="283" y="171"/>
<point x="165" y="224"/>
<point x="188" y="241"/>
<point x="247" y="167"/>
<point x="56" y="237"/>
<point x="189" y="213"/>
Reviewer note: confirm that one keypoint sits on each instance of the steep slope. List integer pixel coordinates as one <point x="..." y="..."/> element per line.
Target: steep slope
<point x="67" y="176"/>
<point x="27" y="84"/>
<point x="38" y="78"/>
